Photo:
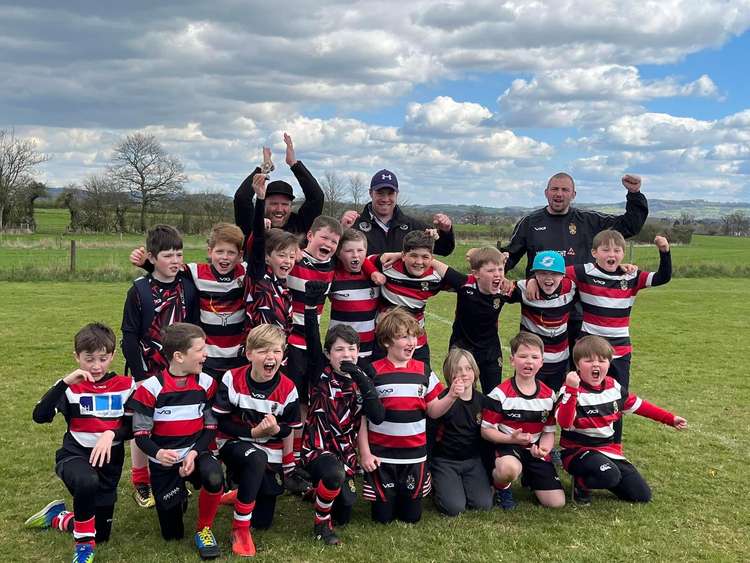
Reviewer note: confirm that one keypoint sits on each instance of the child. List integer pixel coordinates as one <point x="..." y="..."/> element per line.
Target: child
<point x="340" y="393"/>
<point x="257" y="407"/>
<point x="354" y="298"/>
<point x="273" y="255"/>
<point x="458" y="475"/>
<point x="410" y="281"/>
<point x="478" y="305"/>
<point x="393" y="453"/>
<point x="155" y="301"/>
<point x="173" y="424"/>
<point x="590" y="405"/>
<point x="545" y="312"/>
<point x="524" y="430"/>
<point x="221" y="287"/>
<point x="92" y="400"/>
<point x="607" y="294"/>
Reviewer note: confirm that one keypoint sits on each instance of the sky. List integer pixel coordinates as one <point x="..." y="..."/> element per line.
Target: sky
<point x="466" y="102"/>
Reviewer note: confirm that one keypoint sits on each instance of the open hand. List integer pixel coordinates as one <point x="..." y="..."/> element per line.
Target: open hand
<point x="291" y="159"/>
<point x="100" y="453"/>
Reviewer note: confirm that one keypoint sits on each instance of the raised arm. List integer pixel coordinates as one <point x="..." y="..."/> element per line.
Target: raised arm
<point x="314" y="197"/>
<point x="636" y="211"/>
<point x="258" y="255"/>
<point x="243" y="197"/>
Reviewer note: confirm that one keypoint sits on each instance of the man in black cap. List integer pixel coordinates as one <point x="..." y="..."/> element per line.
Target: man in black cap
<point x="385" y="225"/>
<point x="279" y="196"/>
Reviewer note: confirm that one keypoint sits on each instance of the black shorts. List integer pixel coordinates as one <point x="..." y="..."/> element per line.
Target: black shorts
<point x="169" y="486"/>
<point x="348" y="494"/>
<point x="273" y="482"/>
<point x="296" y="370"/>
<point x="109" y="474"/>
<point x="392" y="480"/>
<point x="538" y="475"/>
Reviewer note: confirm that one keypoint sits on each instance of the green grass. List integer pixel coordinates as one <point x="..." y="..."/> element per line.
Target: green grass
<point x="688" y="338"/>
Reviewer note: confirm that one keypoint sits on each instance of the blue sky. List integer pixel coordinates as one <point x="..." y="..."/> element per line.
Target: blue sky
<point x="464" y="101"/>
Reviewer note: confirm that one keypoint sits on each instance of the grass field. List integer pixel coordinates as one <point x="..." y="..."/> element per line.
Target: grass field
<point x="688" y="339"/>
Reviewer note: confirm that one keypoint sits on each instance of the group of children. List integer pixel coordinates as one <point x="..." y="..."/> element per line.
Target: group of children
<point x="233" y="391"/>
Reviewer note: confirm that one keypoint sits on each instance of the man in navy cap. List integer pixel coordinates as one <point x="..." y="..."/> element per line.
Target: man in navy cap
<point x="279" y="196"/>
<point x="385" y="225"/>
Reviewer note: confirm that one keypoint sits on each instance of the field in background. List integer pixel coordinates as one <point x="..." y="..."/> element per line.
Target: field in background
<point x="688" y="337"/>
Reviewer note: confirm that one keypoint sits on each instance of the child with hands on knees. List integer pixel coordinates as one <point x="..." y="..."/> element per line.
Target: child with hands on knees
<point x="589" y="407"/>
<point x="524" y="430"/>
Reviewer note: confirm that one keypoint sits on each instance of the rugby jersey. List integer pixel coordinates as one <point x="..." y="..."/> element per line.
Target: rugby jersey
<point x="354" y="302"/>
<point x="172" y="412"/>
<point x="222" y="313"/>
<point x="475" y="323"/>
<point x="527" y="413"/>
<point x="306" y="269"/>
<point x="587" y="416"/>
<point x="607" y="299"/>
<point x="547" y="317"/>
<point x="246" y="402"/>
<point x="405" y="393"/>
<point x="89" y="408"/>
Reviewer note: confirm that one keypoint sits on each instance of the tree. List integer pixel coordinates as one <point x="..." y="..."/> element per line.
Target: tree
<point x="357" y="190"/>
<point x="18" y="158"/>
<point x="735" y="224"/>
<point x="144" y="168"/>
<point x="333" y="190"/>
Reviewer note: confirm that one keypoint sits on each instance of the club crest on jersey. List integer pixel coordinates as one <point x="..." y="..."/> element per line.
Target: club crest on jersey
<point x="496" y="303"/>
<point x="545" y="415"/>
<point x="411" y="482"/>
<point x="420" y="391"/>
<point x="478" y="418"/>
<point x="425" y="286"/>
<point x="571" y="252"/>
<point x="279" y="480"/>
<point x="623" y="284"/>
<point x="404" y="227"/>
<point x="365" y="227"/>
<point x="352" y="486"/>
<point x="572" y="229"/>
<point x="615" y="406"/>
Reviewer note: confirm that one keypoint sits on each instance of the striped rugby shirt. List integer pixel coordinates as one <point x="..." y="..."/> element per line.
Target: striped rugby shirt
<point x="173" y="411"/>
<point x="354" y="302"/>
<point x="587" y="416"/>
<point x="306" y="269"/>
<point x="245" y="402"/>
<point x="527" y="413"/>
<point x="405" y="393"/>
<point x="607" y="299"/>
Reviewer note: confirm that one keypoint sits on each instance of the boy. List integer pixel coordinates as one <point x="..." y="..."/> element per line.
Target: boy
<point x="394" y="452"/>
<point x="273" y="255"/>
<point x="155" y="301"/>
<point x="590" y="405"/>
<point x="524" y="430"/>
<point x="547" y="312"/>
<point x="340" y="392"/>
<point x="257" y="407"/>
<point x="410" y="281"/>
<point x="221" y="287"/>
<point x="478" y="305"/>
<point x="174" y="426"/>
<point x="354" y="298"/>
<point x="92" y="400"/>
<point x="607" y="294"/>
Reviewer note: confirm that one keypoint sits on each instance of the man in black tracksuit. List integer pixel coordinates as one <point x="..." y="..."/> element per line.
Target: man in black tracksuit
<point x="570" y="231"/>
<point x="385" y="225"/>
<point x="279" y="197"/>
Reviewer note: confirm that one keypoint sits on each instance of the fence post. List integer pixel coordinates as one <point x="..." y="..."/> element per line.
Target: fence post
<point x="630" y="257"/>
<point x="72" y="256"/>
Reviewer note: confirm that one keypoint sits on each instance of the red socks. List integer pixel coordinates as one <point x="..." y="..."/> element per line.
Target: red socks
<point x="63" y="521"/>
<point x="140" y="476"/>
<point x="84" y="530"/>
<point x="208" y="504"/>
<point x="243" y="514"/>
<point x="324" y="502"/>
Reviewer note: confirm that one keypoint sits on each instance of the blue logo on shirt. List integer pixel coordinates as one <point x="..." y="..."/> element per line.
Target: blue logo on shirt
<point x="101" y="403"/>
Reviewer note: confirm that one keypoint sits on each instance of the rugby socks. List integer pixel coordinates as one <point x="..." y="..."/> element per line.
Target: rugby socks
<point x="288" y="463"/>
<point x="140" y="476"/>
<point x="84" y="531"/>
<point x="324" y="498"/>
<point x="208" y="504"/>
<point x="243" y="514"/>
<point x="63" y="521"/>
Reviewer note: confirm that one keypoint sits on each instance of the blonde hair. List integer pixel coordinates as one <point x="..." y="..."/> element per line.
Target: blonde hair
<point x="451" y="363"/>
<point x="226" y="232"/>
<point x="265" y="336"/>
<point x="486" y="254"/>
<point x="591" y="347"/>
<point x="395" y="323"/>
<point x="608" y="236"/>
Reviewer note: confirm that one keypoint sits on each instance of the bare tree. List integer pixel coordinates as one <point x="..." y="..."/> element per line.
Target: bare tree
<point x="735" y="224"/>
<point x="333" y="190"/>
<point x="357" y="190"/>
<point x="18" y="158"/>
<point x="144" y="168"/>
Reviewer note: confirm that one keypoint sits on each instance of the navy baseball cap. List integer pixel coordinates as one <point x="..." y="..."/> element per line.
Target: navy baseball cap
<point x="384" y="179"/>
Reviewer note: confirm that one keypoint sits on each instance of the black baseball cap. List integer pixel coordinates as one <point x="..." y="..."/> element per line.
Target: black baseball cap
<point x="279" y="187"/>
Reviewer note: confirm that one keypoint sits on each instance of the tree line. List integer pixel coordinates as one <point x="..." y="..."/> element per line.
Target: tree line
<point x="143" y="183"/>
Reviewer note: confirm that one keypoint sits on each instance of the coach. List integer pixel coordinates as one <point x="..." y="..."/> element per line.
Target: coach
<point x="385" y="225"/>
<point x="279" y="196"/>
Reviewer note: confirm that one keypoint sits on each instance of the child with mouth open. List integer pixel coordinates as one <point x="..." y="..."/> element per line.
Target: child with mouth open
<point x="590" y="405"/>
